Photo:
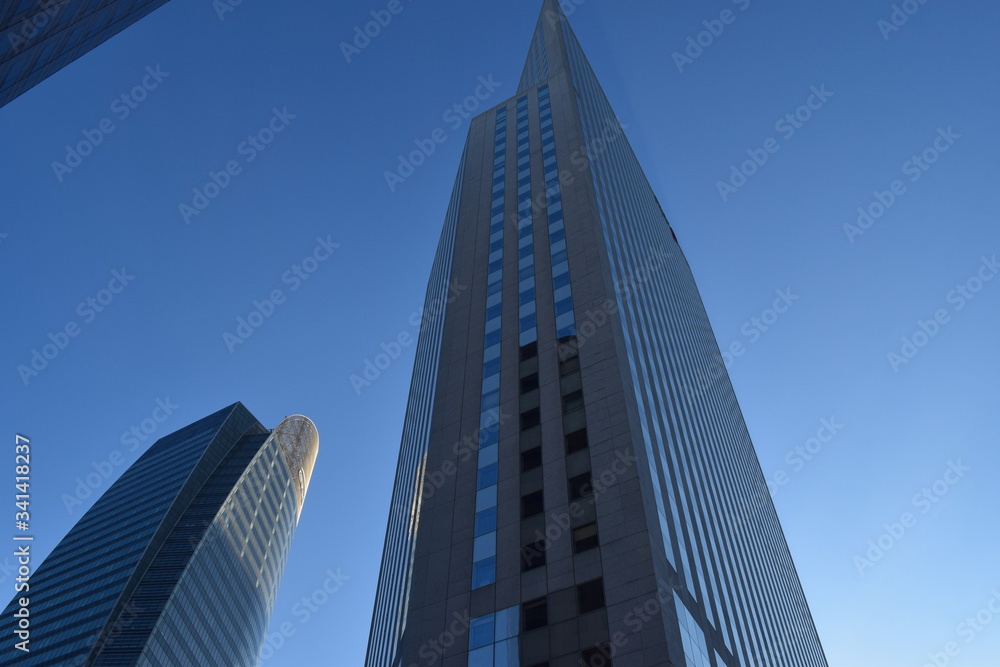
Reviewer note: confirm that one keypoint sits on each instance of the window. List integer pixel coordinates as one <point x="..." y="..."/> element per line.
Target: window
<point x="529" y="383"/>
<point x="532" y="504"/>
<point x="576" y="441"/>
<point x="531" y="459"/>
<point x="590" y="596"/>
<point x="486" y="521"/>
<point x="484" y="572"/>
<point x="533" y="555"/>
<point x="536" y="614"/>
<point x="570" y="341"/>
<point x="487" y="476"/>
<point x="585" y="538"/>
<point x="570" y="365"/>
<point x="597" y="656"/>
<point x="529" y="351"/>
<point x="481" y="631"/>
<point x="580" y="486"/>
<point x="530" y="419"/>
<point x="573" y="401"/>
<point x="566" y="350"/>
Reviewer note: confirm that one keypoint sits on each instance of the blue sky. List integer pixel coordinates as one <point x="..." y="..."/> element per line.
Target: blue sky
<point x="887" y="96"/>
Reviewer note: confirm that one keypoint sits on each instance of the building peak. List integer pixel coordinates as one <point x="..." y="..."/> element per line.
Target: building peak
<point x="546" y="55"/>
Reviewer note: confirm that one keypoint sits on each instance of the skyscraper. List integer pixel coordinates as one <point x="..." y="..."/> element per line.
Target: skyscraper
<point x="40" y="37"/>
<point x="178" y="563"/>
<point x="576" y="484"/>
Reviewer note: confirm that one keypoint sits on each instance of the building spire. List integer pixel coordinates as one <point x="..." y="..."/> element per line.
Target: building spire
<point x="546" y="53"/>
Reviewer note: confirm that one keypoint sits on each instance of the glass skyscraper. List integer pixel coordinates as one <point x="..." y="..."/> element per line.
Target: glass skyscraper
<point x="178" y="563"/>
<point x="40" y="37"/>
<point x="576" y="483"/>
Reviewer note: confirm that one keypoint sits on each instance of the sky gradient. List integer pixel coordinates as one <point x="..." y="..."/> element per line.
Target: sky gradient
<point x="297" y="137"/>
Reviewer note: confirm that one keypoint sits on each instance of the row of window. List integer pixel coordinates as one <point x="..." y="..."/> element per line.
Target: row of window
<point x="537" y="67"/>
<point x="488" y="646"/>
<point x="527" y="307"/>
<point x="484" y="544"/>
<point x="562" y="291"/>
<point x="589" y="598"/>
<point x="493" y="639"/>
<point x="579" y="486"/>
<point x="584" y="539"/>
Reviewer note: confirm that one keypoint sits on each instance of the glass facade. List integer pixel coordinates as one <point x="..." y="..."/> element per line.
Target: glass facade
<point x="396" y="574"/>
<point x="698" y="451"/>
<point x="179" y="561"/>
<point x="40" y="37"/>
<point x="493" y="639"/>
<point x="621" y="482"/>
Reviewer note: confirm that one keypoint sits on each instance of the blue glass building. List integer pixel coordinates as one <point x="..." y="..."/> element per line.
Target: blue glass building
<point x="179" y="562"/>
<point x="40" y="37"/>
<point x="576" y="483"/>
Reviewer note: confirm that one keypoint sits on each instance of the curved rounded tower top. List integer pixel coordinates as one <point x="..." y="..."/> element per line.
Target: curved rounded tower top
<point x="188" y="575"/>
<point x="299" y="442"/>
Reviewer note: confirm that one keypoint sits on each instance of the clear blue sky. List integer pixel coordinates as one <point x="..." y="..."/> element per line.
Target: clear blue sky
<point x="322" y="176"/>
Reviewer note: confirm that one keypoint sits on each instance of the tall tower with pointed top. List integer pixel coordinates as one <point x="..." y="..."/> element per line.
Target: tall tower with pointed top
<point x="576" y="484"/>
